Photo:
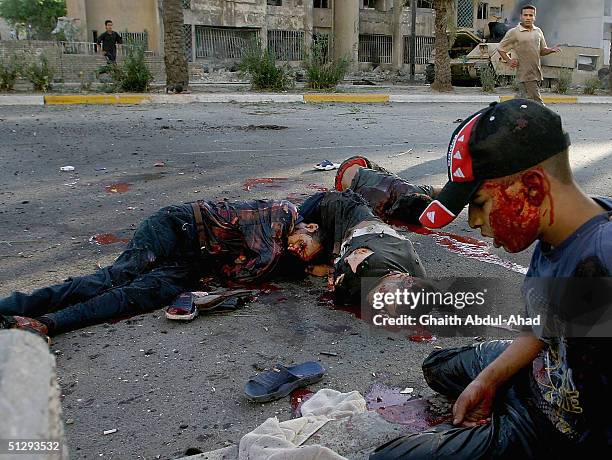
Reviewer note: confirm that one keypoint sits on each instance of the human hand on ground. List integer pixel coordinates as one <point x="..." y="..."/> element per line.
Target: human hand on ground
<point x="473" y="407"/>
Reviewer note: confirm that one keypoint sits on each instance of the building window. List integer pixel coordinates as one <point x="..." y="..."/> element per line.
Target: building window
<point x="465" y="13"/>
<point x="496" y="12"/>
<point x="275" y="2"/>
<point x="223" y="43"/>
<point x="377" y="49"/>
<point x="286" y="45"/>
<point x="608" y="8"/>
<point x="321" y="3"/>
<point x="483" y="11"/>
<point x="420" y="3"/>
<point x="424" y="49"/>
<point x="186" y="4"/>
<point x="371" y="4"/>
<point x="188" y="42"/>
<point x="585" y="62"/>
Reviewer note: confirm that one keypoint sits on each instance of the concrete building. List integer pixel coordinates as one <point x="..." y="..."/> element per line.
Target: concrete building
<point x="367" y="31"/>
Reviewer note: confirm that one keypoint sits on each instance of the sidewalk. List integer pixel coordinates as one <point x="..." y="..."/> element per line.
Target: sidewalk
<point x="365" y="95"/>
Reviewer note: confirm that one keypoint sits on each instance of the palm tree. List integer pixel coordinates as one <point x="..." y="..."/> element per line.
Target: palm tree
<point x="177" y="71"/>
<point x="442" y="81"/>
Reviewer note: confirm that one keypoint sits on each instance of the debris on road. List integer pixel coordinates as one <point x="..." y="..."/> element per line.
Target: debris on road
<point x="401" y="154"/>
<point x="107" y="432"/>
<point x="67" y="168"/>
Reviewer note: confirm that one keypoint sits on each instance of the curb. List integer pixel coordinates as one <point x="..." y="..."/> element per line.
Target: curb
<point x="70" y="99"/>
<point x="254" y="98"/>
<point x="29" y="396"/>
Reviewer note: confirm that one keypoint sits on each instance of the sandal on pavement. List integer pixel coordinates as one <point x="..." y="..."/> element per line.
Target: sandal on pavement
<point x="278" y="383"/>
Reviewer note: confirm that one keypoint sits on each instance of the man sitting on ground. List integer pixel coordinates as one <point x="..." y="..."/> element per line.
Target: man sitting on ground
<point x="543" y="394"/>
<point x="168" y="254"/>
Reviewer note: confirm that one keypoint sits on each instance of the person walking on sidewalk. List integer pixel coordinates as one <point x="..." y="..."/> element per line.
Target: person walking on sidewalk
<point x="529" y="44"/>
<point x="109" y="41"/>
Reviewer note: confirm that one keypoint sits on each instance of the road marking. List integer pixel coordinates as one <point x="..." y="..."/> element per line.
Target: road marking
<point x="66" y="99"/>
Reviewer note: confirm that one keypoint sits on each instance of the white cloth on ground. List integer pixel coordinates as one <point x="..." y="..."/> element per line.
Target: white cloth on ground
<point x="274" y="440"/>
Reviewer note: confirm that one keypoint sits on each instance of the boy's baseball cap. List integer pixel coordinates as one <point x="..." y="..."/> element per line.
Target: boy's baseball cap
<point x="498" y="141"/>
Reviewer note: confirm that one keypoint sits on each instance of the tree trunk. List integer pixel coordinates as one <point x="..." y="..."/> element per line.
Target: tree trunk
<point x="177" y="71"/>
<point x="442" y="81"/>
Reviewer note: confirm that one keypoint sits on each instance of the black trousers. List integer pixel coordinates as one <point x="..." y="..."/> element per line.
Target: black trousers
<point x="161" y="261"/>
<point x="518" y="430"/>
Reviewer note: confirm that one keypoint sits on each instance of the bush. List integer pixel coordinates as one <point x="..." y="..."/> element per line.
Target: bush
<point x="136" y="74"/>
<point x="9" y="71"/>
<point x="488" y="78"/>
<point x="591" y="85"/>
<point x="40" y="73"/>
<point x="132" y="75"/>
<point x="564" y="81"/>
<point x="261" y="66"/>
<point x="322" y="72"/>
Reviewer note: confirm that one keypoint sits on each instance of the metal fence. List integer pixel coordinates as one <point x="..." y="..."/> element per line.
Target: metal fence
<point x="465" y="13"/>
<point x="84" y="48"/>
<point x="287" y="45"/>
<point x="188" y="42"/>
<point x="377" y="49"/>
<point x="222" y="43"/>
<point x="424" y="49"/>
<point x="136" y="39"/>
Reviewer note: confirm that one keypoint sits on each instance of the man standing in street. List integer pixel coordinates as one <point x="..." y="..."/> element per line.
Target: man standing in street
<point x="109" y="40"/>
<point x="529" y="44"/>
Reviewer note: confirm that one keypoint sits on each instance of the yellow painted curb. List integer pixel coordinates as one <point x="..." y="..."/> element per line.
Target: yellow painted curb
<point x="95" y="99"/>
<point x="549" y="99"/>
<point x="350" y="98"/>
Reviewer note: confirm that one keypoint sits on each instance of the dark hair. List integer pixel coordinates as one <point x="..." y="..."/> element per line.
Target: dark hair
<point x="107" y="21"/>
<point x="528" y="7"/>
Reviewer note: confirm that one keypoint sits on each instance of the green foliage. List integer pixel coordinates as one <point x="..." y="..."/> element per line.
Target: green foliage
<point x="40" y="14"/>
<point x="40" y="73"/>
<point x="564" y="81"/>
<point x="87" y="79"/>
<point x="137" y="76"/>
<point x="488" y="78"/>
<point x="10" y="68"/>
<point x="261" y="66"/>
<point x="591" y="86"/>
<point x="321" y="71"/>
<point x="132" y="75"/>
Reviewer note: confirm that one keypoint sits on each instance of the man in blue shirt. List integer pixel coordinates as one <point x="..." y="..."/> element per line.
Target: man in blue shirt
<point x="546" y="394"/>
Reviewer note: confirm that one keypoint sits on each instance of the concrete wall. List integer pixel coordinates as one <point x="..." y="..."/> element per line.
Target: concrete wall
<point x="131" y="16"/>
<point x="69" y="66"/>
<point x="227" y="13"/>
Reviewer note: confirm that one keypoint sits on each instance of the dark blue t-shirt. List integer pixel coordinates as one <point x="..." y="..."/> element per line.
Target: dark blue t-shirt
<point x="572" y="375"/>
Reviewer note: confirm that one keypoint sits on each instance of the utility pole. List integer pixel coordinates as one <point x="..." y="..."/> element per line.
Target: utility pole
<point x="413" y="14"/>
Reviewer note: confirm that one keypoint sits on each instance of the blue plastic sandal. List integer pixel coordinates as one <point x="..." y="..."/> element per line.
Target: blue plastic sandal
<point x="278" y="383"/>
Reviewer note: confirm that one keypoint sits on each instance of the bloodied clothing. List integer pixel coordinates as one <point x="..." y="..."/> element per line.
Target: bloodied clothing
<point x="347" y="217"/>
<point x="391" y="197"/>
<point x="517" y="429"/>
<point x="243" y="242"/>
<point x="573" y="373"/>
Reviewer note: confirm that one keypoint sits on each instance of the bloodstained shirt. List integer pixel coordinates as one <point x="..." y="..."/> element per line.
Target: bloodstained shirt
<point x="247" y="238"/>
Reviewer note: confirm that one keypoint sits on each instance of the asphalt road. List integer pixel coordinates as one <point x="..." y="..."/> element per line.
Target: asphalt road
<point x="168" y="387"/>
